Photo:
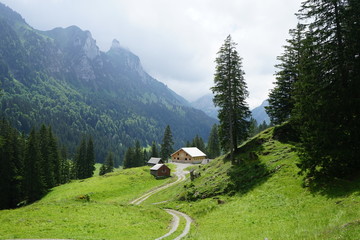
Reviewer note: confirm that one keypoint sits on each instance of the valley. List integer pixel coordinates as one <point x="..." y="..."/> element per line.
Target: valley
<point x="262" y="198"/>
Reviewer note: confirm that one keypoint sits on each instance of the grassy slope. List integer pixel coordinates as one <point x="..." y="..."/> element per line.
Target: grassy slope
<point x="263" y="198"/>
<point x="267" y="199"/>
<point x="61" y="214"/>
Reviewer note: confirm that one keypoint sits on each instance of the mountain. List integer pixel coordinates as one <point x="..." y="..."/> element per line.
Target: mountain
<point x="60" y="77"/>
<point x="259" y="113"/>
<point x="205" y="103"/>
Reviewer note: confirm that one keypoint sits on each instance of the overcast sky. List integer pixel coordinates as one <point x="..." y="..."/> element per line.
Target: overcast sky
<point x="177" y="40"/>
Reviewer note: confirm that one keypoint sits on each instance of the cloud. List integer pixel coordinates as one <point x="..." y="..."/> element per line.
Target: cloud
<point x="177" y="41"/>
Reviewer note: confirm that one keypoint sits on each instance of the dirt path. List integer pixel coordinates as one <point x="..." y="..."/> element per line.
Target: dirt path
<point x="180" y="173"/>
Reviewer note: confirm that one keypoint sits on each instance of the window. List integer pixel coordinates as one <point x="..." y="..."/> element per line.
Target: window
<point x="185" y="159"/>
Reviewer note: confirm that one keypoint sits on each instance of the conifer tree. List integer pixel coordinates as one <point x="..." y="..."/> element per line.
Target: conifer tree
<point x="129" y="161"/>
<point x="90" y="158"/>
<point x="327" y="93"/>
<point x="198" y="142"/>
<point x="213" y="147"/>
<point x="281" y="98"/>
<point x="230" y="92"/>
<point x="80" y="160"/>
<point x="34" y="184"/>
<point x="54" y="156"/>
<point x="11" y="166"/>
<point x="154" y="150"/>
<point x="167" y="144"/>
<point x="47" y="163"/>
<point x="108" y="165"/>
<point x="145" y="157"/>
<point x="65" y="166"/>
<point x="138" y="155"/>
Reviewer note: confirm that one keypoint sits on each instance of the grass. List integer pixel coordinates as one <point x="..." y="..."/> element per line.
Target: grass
<point x="94" y="208"/>
<point x="265" y="198"/>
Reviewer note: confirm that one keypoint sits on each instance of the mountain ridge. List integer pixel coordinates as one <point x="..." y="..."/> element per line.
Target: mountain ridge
<point x="205" y="103"/>
<point x="60" y="77"/>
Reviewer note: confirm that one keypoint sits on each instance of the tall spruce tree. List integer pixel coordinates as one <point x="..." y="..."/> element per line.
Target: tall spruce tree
<point x="138" y="156"/>
<point x="47" y="162"/>
<point x="129" y="158"/>
<point x="230" y="93"/>
<point x="108" y="165"/>
<point x="198" y="142"/>
<point x="154" y="150"/>
<point x="167" y="144"/>
<point x="11" y="166"/>
<point x="90" y="158"/>
<point x="213" y="146"/>
<point x="327" y="93"/>
<point x="34" y="184"/>
<point x="281" y="98"/>
<point x="80" y="160"/>
<point x="54" y="156"/>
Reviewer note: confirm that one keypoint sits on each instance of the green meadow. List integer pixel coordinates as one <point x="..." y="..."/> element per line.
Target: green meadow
<point x="263" y="197"/>
<point x="94" y="208"/>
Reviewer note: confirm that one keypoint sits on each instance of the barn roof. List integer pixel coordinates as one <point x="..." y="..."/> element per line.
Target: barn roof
<point x="154" y="160"/>
<point x="192" y="151"/>
<point x="157" y="167"/>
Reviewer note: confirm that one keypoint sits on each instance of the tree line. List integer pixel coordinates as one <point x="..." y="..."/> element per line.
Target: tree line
<point x="31" y="165"/>
<point x="137" y="156"/>
<point x="316" y="91"/>
<point x="317" y="87"/>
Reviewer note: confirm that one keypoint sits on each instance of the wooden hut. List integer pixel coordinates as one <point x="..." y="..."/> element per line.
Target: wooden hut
<point x="160" y="170"/>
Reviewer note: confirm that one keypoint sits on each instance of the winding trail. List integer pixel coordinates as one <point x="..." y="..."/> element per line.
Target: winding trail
<point x="180" y="173"/>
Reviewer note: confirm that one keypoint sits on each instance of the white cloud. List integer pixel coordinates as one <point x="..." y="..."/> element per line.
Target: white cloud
<point x="177" y="41"/>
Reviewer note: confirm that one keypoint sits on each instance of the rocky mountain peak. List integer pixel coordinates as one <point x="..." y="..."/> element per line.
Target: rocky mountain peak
<point x="115" y="44"/>
<point x="90" y="48"/>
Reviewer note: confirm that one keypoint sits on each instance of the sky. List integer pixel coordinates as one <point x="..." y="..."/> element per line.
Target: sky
<point x="178" y="40"/>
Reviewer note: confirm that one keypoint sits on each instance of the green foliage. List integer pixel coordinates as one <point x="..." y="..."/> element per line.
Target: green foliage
<point x="11" y="166"/>
<point x="327" y="107"/>
<point x="85" y="159"/>
<point x="135" y="156"/>
<point x="34" y="182"/>
<point x="197" y="142"/>
<point x="154" y="150"/>
<point x="108" y="165"/>
<point x="281" y="98"/>
<point x="29" y="166"/>
<point x="265" y="196"/>
<point x="230" y="94"/>
<point x="167" y="144"/>
<point x="213" y="147"/>
<point x="47" y="79"/>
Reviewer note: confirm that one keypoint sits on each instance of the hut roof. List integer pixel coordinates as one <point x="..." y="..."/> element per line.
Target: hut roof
<point x="192" y="151"/>
<point x="157" y="167"/>
<point x="154" y="160"/>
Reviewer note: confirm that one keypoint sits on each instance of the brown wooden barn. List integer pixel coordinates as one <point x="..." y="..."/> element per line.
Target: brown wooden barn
<point x="160" y="170"/>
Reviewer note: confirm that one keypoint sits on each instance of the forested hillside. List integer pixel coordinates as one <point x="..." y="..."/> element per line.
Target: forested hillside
<point x="61" y="78"/>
